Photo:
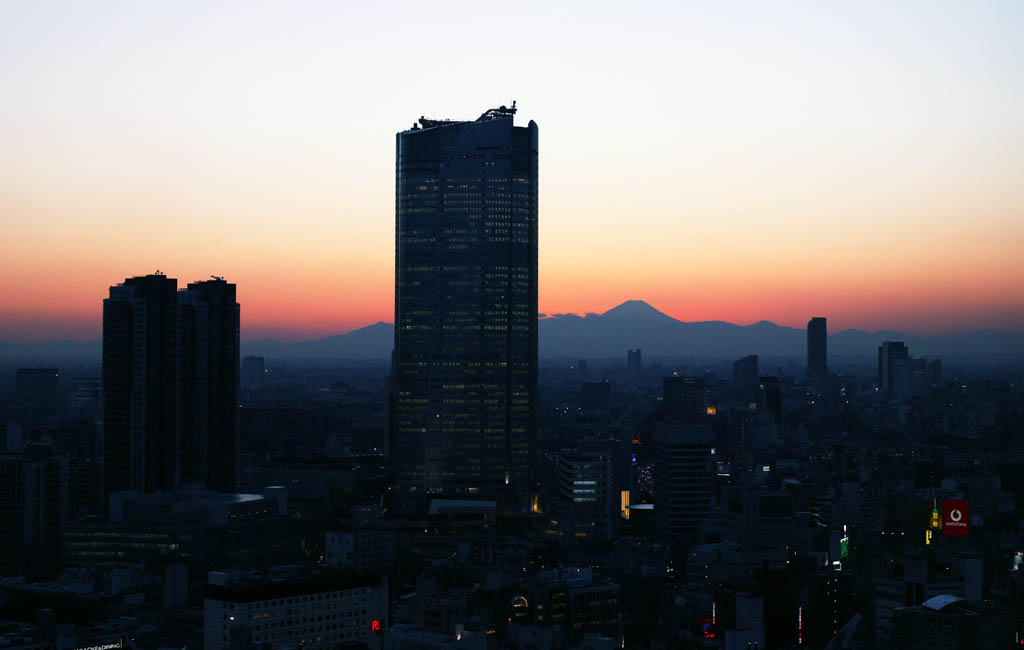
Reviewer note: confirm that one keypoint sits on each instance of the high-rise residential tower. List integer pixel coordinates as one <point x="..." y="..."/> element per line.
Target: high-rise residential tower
<point x="208" y="380"/>
<point x="170" y="385"/>
<point x="140" y="320"/>
<point x="817" y="348"/>
<point x="465" y="360"/>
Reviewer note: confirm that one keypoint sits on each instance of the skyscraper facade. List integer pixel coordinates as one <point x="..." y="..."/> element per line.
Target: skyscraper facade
<point x="745" y="374"/>
<point x="889" y="352"/>
<point x="682" y="480"/>
<point x="465" y="366"/>
<point x="634" y="360"/>
<point x="33" y="505"/>
<point x="170" y="385"/>
<point x="140" y="321"/>
<point x="817" y="348"/>
<point x="682" y="397"/>
<point x="208" y="381"/>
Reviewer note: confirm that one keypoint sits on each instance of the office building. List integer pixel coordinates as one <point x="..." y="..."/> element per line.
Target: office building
<point x="817" y="349"/>
<point x="208" y="376"/>
<point x="745" y="375"/>
<point x="948" y="621"/>
<point x="682" y="397"/>
<point x="140" y="372"/>
<point x="682" y="481"/>
<point x="87" y="396"/>
<point x="889" y="353"/>
<point x="909" y="379"/>
<point x="465" y="360"/>
<point x="586" y="501"/>
<point x="324" y="611"/>
<point x="934" y="373"/>
<point x="572" y="599"/>
<point x="634" y="361"/>
<point x="769" y="397"/>
<point x="33" y="505"/>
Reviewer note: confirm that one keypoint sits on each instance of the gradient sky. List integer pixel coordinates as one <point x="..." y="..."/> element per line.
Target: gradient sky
<point x="733" y="161"/>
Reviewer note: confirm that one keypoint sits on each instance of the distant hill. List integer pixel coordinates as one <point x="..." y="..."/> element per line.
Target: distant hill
<point x="371" y="342"/>
<point x="633" y="324"/>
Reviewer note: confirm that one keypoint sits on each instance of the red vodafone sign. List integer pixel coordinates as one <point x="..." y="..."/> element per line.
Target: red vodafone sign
<point x="956" y="517"/>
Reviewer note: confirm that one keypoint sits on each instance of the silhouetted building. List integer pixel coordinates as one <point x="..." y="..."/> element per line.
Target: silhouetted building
<point x="33" y="505"/>
<point x="817" y="348"/>
<point x="682" y="480"/>
<point x="140" y="450"/>
<point x="948" y="621"/>
<point x="465" y="368"/>
<point x="682" y="397"/>
<point x="87" y="396"/>
<point x="595" y="395"/>
<point x="934" y="373"/>
<point x="634" y="360"/>
<point x="909" y="378"/>
<point x="889" y="353"/>
<point x="253" y="369"/>
<point x="769" y="397"/>
<point x="745" y="374"/>
<point x="208" y="374"/>
<point x="264" y="613"/>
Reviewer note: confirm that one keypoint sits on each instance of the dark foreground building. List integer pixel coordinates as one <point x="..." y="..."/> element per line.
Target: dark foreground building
<point x="465" y="364"/>
<point x="170" y="385"/>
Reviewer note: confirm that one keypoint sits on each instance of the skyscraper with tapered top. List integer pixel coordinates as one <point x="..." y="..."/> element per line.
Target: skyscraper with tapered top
<point x="817" y="348"/>
<point x="465" y="364"/>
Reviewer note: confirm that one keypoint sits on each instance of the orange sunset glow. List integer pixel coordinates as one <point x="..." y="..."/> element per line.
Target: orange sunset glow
<point x="719" y="164"/>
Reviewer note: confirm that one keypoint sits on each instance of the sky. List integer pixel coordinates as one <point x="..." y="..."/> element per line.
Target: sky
<point x="737" y="161"/>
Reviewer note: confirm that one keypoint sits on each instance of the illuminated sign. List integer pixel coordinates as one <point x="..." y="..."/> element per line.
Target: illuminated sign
<point x="706" y="628"/>
<point x="712" y="410"/>
<point x="1018" y="558"/>
<point x="927" y="536"/>
<point x="376" y="625"/>
<point x="844" y="548"/>
<point x="956" y="516"/>
<point x="105" y="646"/>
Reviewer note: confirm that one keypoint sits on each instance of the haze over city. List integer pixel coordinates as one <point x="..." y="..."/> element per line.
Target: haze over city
<point x="740" y="163"/>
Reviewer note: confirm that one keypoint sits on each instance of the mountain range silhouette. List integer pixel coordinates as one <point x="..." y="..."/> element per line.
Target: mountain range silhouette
<point x="633" y="324"/>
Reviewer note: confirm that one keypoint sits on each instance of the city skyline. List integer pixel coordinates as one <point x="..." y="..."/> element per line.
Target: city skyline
<point x="756" y="163"/>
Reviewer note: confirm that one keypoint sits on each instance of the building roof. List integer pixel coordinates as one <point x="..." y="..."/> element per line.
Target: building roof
<point x="937" y="603"/>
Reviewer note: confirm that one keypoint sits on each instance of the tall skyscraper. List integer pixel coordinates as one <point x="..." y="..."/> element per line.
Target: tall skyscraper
<point x="769" y="397"/>
<point x="682" y="397"/>
<point x="465" y="365"/>
<point x="817" y="348"/>
<point x="170" y="385"/>
<point x="888" y="353"/>
<point x="33" y="505"/>
<point x="140" y="320"/>
<point x="682" y="480"/>
<point x="634" y="360"/>
<point x="208" y="377"/>
<point x="745" y="374"/>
